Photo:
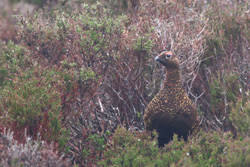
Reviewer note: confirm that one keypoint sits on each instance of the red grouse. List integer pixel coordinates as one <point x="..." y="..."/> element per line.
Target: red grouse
<point x="171" y="111"/>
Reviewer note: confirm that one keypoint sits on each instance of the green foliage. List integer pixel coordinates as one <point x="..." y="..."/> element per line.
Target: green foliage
<point x="224" y="88"/>
<point x="224" y="54"/>
<point x="86" y="74"/>
<point x="240" y="117"/>
<point x="238" y="153"/>
<point x="96" y="32"/>
<point x="13" y="59"/>
<point x="96" y="141"/>
<point x="92" y="147"/>
<point x="35" y="2"/>
<point x="205" y="149"/>
<point x="126" y="149"/>
<point x="143" y="43"/>
<point x="32" y="101"/>
<point x="31" y="97"/>
<point x="85" y="68"/>
<point x="3" y="75"/>
<point x="213" y="45"/>
<point x="226" y="27"/>
<point x="217" y="92"/>
<point x="92" y="34"/>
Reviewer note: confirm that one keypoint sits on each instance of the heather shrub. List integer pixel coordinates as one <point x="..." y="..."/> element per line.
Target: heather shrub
<point x="78" y="73"/>
<point x="223" y="71"/>
<point x="130" y="148"/>
<point x="206" y="149"/>
<point x="238" y="153"/>
<point x="32" y="103"/>
<point x="224" y="89"/>
<point x="90" y="148"/>
<point x="240" y="116"/>
<point x="8" y="29"/>
<point x="31" y="153"/>
<point x="116" y="7"/>
<point x="83" y="48"/>
<point x="39" y="3"/>
<point x="30" y="97"/>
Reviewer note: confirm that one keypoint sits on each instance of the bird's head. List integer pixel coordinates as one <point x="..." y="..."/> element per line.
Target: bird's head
<point x="168" y="59"/>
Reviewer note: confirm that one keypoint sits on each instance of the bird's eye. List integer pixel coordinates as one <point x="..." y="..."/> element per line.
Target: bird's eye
<point x="168" y="55"/>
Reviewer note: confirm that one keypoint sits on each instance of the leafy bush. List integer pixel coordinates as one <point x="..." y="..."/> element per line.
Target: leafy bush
<point x="31" y="97"/>
<point x="224" y="89"/>
<point x="238" y="153"/>
<point x="206" y="149"/>
<point x="240" y="117"/>
<point x="31" y="102"/>
<point x="130" y="149"/>
<point x="223" y="68"/>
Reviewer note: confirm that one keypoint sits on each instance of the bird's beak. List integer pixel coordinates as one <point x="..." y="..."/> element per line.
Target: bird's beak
<point x="157" y="58"/>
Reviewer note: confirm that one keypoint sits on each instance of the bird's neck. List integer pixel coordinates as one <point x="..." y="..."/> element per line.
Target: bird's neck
<point x="172" y="78"/>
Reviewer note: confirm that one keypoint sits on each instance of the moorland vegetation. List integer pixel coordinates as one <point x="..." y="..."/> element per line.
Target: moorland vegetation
<point x="76" y="77"/>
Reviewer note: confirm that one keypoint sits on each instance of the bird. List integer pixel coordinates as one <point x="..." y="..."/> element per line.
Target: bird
<point x="171" y="111"/>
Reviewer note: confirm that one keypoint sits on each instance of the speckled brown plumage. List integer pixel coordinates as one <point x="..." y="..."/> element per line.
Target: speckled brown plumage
<point x="171" y="111"/>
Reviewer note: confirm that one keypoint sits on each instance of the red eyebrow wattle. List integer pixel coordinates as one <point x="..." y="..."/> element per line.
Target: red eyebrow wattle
<point x="168" y="53"/>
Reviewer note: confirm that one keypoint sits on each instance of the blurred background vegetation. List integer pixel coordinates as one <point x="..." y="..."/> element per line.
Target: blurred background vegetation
<point x="77" y="75"/>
